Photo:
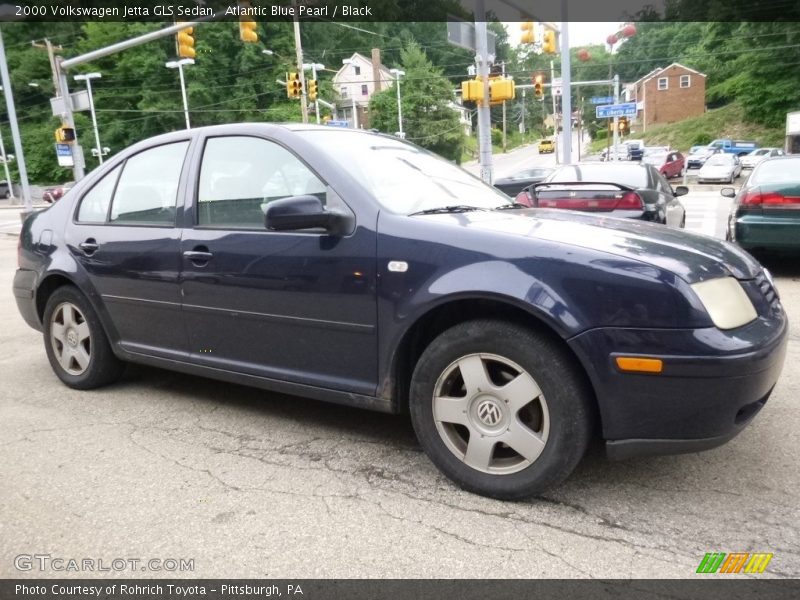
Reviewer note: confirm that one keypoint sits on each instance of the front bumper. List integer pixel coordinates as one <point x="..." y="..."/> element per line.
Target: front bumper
<point x="713" y="383"/>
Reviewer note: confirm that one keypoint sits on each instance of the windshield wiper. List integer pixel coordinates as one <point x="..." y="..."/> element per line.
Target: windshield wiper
<point x="455" y="208"/>
<point x="510" y="206"/>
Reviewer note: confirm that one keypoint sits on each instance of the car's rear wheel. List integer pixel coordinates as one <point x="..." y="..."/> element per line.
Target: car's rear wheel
<point x="500" y="409"/>
<point x="76" y="344"/>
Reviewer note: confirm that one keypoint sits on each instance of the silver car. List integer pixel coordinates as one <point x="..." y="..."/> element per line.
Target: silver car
<point x="749" y="161"/>
<point x="720" y="168"/>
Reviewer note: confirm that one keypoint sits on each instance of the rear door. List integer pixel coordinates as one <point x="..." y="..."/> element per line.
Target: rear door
<point x="124" y="236"/>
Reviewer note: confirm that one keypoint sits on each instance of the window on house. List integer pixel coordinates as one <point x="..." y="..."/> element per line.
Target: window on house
<point x="663" y="83"/>
<point x="685" y="81"/>
<point x="343" y="91"/>
<point x="357" y="69"/>
<point x="364" y="90"/>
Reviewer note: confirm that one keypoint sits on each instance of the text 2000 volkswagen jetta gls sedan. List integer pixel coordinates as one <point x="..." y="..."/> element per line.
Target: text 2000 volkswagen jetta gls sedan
<point x="360" y="269"/>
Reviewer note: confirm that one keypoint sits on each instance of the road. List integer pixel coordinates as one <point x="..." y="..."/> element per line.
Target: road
<point x="251" y="484"/>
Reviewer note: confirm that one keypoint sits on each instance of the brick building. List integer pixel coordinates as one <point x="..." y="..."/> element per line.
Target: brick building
<point x="668" y="95"/>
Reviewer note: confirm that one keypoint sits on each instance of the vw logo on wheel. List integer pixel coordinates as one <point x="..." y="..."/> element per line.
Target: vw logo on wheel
<point x="489" y="413"/>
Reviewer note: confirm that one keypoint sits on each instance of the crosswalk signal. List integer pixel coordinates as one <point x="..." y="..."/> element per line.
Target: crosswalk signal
<point x="186" y="43"/>
<point x="538" y="86"/>
<point x="528" y="33"/>
<point x="294" y="89"/>
<point x="622" y="125"/>
<point x="313" y="88"/>
<point x="549" y="42"/>
<point x="472" y="90"/>
<point x="65" y="135"/>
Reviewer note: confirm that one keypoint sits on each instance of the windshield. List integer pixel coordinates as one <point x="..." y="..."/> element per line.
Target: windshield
<point x="776" y="170"/>
<point x="655" y="158"/>
<point x="633" y="176"/>
<point x="530" y="173"/>
<point x="720" y="160"/>
<point x="760" y="152"/>
<point x="402" y="177"/>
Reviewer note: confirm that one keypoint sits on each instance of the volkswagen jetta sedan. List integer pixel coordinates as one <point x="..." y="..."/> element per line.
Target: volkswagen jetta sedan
<point x="360" y="269"/>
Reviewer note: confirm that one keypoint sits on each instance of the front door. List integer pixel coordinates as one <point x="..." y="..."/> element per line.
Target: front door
<point x="294" y="306"/>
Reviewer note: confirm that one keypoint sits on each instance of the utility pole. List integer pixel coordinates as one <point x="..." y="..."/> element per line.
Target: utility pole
<point x="616" y="119"/>
<point x="484" y="116"/>
<point x="523" y="111"/>
<point x="316" y="101"/>
<point x="12" y="118"/>
<point x="555" y="110"/>
<point x="566" y="88"/>
<point x="503" y="66"/>
<point x="298" y="48"/>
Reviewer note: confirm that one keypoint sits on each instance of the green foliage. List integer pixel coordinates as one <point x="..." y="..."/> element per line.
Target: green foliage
<point x="427" y="97"/>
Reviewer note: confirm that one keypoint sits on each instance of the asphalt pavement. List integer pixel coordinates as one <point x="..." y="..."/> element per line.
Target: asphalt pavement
<point x="245" y="483"/>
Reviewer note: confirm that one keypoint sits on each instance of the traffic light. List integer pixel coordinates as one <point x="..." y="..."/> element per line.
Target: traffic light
<point x="247" y="26"/>
<point x="186" y="43"/>
<point x="549" y="42"/>
<point x="622" y="125"/>
<point x="294" y="89"/>
<point x="472" y="90"/>
<point x="538" y="86"/>
<point x="65" y="135"/>
<point x="528" y="33"/>
<point x="500" y="90"/>
<point x="312" y="87"/>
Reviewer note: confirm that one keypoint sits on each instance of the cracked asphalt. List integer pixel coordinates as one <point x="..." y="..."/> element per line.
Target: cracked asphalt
<point x="252" y="484"/>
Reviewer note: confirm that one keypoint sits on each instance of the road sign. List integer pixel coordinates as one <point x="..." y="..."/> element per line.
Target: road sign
<point x="555" y="86"/>
<point x="64" y="155"/>
<point x="609" y="111"/>
<point x="80" y="102"/>
<point x="601" y="99"/>
<point x="461" y="33"/>
<point x="333" y="123"/>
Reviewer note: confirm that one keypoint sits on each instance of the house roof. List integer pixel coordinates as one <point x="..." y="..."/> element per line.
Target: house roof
<point x="386" y="75"/>
<point x="656" y="72"/>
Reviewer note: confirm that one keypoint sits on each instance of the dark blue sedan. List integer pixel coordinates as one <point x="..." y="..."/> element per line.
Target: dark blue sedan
<point x="360" y="269"/>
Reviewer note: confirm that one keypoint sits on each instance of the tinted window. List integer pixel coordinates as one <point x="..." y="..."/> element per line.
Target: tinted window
<point x="94" y="206"/>
<point x="240" y="175"/>
<point x="148" y="187"/>
<point x="628" y="175"/>
<point x="768" y="171"/>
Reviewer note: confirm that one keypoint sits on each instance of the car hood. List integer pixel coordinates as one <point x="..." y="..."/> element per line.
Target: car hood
<point x="693" y="257"/>
<point x="712" y="169"/>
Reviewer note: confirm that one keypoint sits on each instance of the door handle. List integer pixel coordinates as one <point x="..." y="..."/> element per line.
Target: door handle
<point x="89" y="247"/>
<point x="198" y="257"/>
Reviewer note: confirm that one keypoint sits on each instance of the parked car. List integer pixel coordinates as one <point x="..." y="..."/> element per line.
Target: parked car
<point x="546" y="146"/>
<point x="698" y="156"/>
<point x="635" y="149"/>
<point x="5" y="189"/>
<point x="620" y="151"/>
<point x="54" y="193"/>
<point x="668" y="163"/>
<point x="736" y="147"/>
<point x="628" y="190"/>
<point x="766" y="211"/>
<point x="720" y="168"/>
<point x="360" y="269"/>
<point x="756" y="156"/>
<point x="514" y="184"/>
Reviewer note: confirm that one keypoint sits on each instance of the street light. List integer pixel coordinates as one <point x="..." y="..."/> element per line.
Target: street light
<point x="88" y="79"/>
<point x="178" y="64"/>
<point x="314" y="67"/>
<point x="397" y="75"/>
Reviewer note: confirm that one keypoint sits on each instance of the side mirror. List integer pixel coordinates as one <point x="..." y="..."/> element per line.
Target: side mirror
<point x="728" y="192"/>
<point x="296" y="212"/>
<point x="681" y="190"/>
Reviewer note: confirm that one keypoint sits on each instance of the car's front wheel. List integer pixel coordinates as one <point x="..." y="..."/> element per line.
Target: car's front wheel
<point x="76" y="344"/>
<point x="502" y="410"/>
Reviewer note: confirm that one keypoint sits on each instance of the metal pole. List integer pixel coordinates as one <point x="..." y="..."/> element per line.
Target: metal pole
<point x="183" y="93"/>
<point x="503" y="66"/>
<point x="555" y="114"/>
<point x="566" y="89"/>
<point x="5" y="167"/>
<point x="94" y="120"/>
<point x="616" y="119"/>
<point x="316" y="100"/>
<point x="355" y="114"/>
<point x="78" y="167"/>
<point x="523" y="111"/>
<point x="298" y="48"/>
<point x="12" y="118"/>
<point x="484" y="116"/>
<point x="399" y="109"/>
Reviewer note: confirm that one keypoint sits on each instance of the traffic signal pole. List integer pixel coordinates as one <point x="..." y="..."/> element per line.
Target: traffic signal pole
<point x="484" y="116"/>
<point x="616" y="119"/>
<point x="298" y="48"/>
<point x="566" y="88"/>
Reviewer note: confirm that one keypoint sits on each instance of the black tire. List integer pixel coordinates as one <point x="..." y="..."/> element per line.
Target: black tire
<point x="566" y="396"/>
<point x="101" y="366"/>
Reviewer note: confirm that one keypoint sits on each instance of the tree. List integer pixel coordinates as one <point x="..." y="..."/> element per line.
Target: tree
<point x="429" y="117"/>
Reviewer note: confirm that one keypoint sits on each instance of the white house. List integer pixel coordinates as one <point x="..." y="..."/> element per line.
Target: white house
<point x="356" y="81"/>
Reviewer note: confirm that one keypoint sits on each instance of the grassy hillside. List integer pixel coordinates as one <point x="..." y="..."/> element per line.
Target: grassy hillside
<point x="725" y="122"/>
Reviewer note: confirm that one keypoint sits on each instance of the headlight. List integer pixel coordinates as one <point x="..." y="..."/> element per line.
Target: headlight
<point x="726" y="302"/>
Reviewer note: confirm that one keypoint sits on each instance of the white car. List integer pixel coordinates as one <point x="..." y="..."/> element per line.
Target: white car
<point x="720" y="168"/>
<point x="621" y="151"/>
<point x="749" y="161"/>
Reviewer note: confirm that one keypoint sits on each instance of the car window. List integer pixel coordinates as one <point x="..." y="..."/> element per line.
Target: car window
<point x="94" y="204"/>
<point x="240" y="175"/>
<point x="631" y="175"/>
<point x="718" y="160"/>
<point x="147" y="192"/>
<point x="774" y="171"/>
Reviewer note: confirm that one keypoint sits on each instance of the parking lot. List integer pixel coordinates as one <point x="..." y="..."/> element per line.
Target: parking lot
<point x="251" y="484"/>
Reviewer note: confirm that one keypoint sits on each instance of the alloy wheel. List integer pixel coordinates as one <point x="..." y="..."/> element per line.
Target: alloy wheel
<point x="71" y="338"/>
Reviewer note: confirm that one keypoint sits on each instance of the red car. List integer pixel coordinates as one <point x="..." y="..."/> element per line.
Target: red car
<point x="52" y="194"/>
<point x="668" y="162"/>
